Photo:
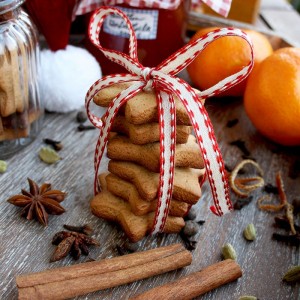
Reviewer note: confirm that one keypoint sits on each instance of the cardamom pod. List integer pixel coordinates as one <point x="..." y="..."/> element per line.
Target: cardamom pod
<point x="49" y="155"/>
<point x="250" y="232"/>
<point x="228" y="252"/>
<point x="3" y="166"/>
<point x="292" y="275"/>
<point x="246" y="297"/>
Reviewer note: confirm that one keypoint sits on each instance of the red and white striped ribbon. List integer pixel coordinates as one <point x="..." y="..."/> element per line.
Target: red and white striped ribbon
<point x="163" y="81"/>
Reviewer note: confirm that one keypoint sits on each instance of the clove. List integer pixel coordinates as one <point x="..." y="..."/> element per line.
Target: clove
<point x="82" y="127"/>
<point x="55" y="144"/>
<point x="81" y="116"/>
<point x="85" y="229"/>
<point x="232" y="123"/>
<point x="287" y="238"/>
<point x="283" y="223"/>
<point x="240" y="203"/>
<point x="241" y="145"/>
<point x="271" y="189"/>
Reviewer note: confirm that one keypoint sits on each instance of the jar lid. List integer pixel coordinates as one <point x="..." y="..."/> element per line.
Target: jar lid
<point x="8" y="5"/>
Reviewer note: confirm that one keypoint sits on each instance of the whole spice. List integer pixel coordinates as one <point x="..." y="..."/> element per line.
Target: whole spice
<point x="79" y="279"/>
<point x="39" y="202"/>
<point x="283" y="222"/>
<point x="57" y="145"/>
<point x="271" y="189"/>
<point x="195" y="284"/>
<point x="82" y="127"/>
<point x="71" y="241"/>
<point x="3" y="166"/>
<point x="283" y="203"/>
<point x="228" y="168"/>
<point x="48" y="155"/>
<point x="296" y="205"/>
<point x="232" y="123"/>
<point x="288" y="207"/>
<point x="86" y="229"/>
<point x="250" y="232"/>
<point x="293" y="239"/>
<point x="240" y="203"/>
<point x="190" y="228"/>
<point x="239" y="185"/>
<point x="189" y="243"/>
<point x="241" y="145"/>
<point x="188" y="234"/>
<point x="81" y="116"/>
<point x="127" y="247"/>
<point x="246" y="297"/>
<point x="292" y="275"/>
<point x="228" y="252"/>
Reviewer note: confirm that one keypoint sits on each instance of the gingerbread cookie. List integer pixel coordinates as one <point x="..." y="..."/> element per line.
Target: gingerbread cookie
<point x="109" y="207"/>
<point x="106" y="95"/>
<point x="186" y="180"/>
<point x="142" y="108"/>
<point x="147" y="133"/>
<point x="186" y="155"/>
<point x="127" y="191"/>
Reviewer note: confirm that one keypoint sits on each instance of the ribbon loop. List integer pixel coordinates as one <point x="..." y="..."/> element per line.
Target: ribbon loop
<point x="184" y="56"/>
<point x="167" y="85"/>
<point x="129" y="62"/>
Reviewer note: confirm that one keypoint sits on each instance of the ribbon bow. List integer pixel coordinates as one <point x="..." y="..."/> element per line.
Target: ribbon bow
<point x="162" y="79"/>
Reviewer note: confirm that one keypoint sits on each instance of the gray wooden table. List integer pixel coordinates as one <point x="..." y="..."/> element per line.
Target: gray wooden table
<point x="26" y="246"/>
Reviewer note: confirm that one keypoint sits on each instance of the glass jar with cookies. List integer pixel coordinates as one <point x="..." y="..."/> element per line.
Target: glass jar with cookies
<point x="20" y="106"/>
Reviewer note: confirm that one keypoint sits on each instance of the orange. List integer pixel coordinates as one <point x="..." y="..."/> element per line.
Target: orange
<point x="272" y="97"/>
<point x="224" y="57"/>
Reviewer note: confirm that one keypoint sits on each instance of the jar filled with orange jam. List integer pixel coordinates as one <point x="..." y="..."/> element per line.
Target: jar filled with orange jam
<point x="159" y="32"/>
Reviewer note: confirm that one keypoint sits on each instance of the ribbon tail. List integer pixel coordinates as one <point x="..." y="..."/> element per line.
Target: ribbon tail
<point x="167" y="122"/>
<point x="211" y="153"/>
<point x="206" y="139"/>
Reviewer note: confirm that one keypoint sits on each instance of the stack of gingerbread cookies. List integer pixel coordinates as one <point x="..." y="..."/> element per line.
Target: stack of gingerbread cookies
<point x="129" y="190"/>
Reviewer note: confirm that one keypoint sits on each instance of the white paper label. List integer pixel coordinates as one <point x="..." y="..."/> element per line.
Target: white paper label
<point x="143" y="21"/>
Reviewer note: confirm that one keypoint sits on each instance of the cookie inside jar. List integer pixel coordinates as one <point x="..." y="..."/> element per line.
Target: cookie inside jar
<point x="20" y="107"/>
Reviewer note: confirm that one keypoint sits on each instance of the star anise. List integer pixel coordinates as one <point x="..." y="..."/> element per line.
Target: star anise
<point x="39" y="202"/>
<point x="73" y="242"/>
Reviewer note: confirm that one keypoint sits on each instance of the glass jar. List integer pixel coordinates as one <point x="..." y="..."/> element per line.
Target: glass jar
<point x="20" y="106"/>
<point x="160" y="32"/>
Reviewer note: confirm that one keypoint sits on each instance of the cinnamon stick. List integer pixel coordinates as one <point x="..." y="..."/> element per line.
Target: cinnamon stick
<point x="196" y="284"/>
<point x="67" y="282"/>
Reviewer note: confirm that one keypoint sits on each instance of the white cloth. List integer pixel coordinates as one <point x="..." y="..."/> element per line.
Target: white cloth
<point x="65" y="76"/>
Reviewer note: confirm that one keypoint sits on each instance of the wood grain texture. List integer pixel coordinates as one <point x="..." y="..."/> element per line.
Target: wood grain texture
<point x="26" y="246"/>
